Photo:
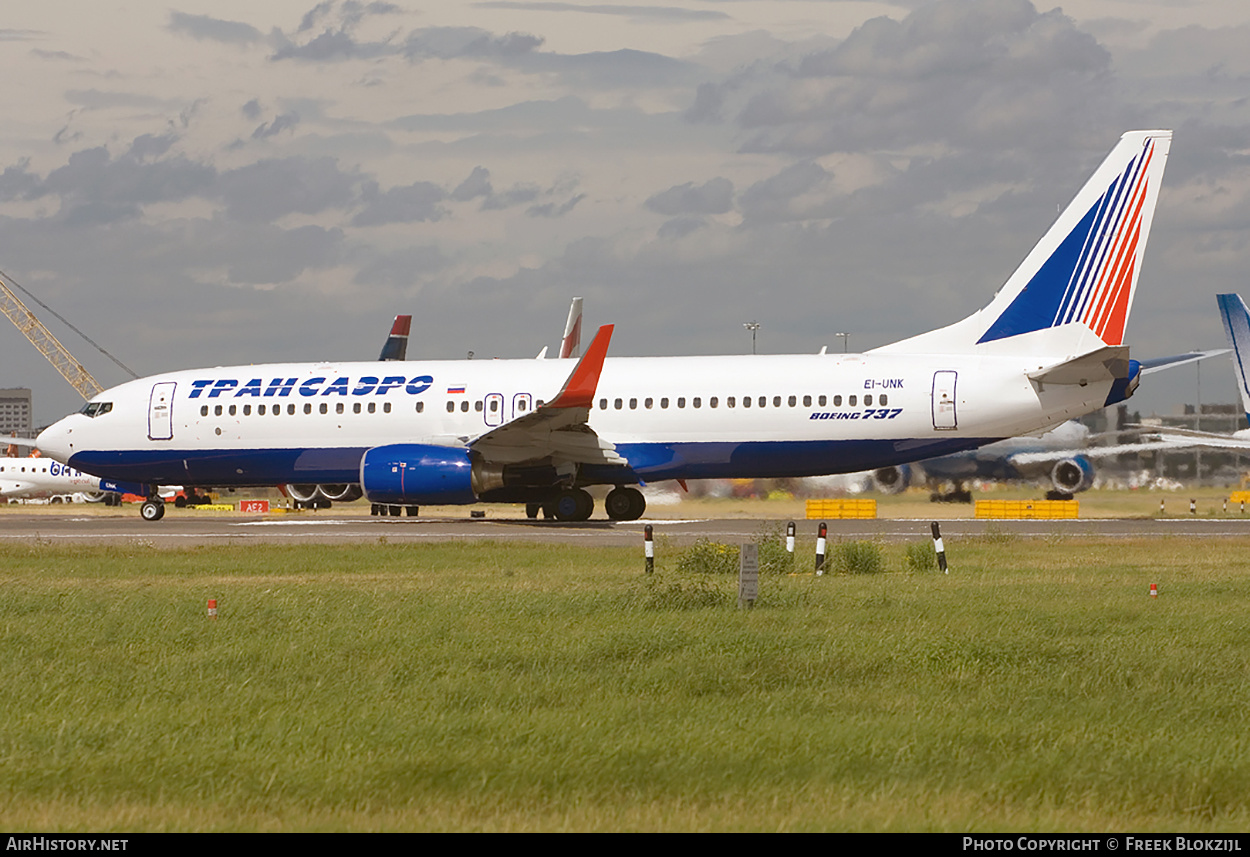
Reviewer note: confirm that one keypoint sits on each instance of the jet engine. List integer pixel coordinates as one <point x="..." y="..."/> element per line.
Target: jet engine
<point x="409" y="474"/>
<point x="892" y="480"/>
<point x="1070" y="475"/>
<point x="308" y="494"/>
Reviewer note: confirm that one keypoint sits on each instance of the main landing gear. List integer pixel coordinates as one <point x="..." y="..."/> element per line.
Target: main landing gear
<point x="623" y="503"/>
<point x="153" y="509"/>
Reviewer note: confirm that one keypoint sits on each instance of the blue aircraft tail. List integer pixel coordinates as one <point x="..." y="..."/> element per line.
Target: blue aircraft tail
<point x="1237" y="327"/>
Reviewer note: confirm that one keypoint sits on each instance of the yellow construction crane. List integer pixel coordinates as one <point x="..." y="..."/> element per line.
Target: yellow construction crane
<point x="56" y="353"/>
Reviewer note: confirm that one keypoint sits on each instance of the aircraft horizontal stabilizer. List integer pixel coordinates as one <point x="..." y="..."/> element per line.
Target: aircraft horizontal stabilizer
<point x="1104" y="364"/>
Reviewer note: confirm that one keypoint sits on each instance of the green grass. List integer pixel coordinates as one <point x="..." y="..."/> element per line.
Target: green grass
<point x="528" y="687"/>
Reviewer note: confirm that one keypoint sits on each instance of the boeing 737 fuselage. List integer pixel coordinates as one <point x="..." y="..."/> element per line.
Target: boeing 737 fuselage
<point x="1048" y="347"/>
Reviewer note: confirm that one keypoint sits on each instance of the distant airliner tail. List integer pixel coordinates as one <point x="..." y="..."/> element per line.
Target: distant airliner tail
<point x="1237" y="326"/>
<point x="1072" y="294"/>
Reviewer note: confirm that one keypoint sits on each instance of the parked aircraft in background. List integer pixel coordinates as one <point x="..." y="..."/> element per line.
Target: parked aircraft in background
<point x="1047" y="348"/>
<point x="36" y="478"/>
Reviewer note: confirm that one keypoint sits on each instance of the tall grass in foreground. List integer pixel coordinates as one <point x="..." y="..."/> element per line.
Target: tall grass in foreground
<point x="490" y="686"/>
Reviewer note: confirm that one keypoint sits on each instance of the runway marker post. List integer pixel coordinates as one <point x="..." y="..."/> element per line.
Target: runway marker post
<point x="212" y="608"/>
<point x="821" y="539"/>
<point x="790" y="539"/>
<point x="1193" y="506"/>
<point x="938" y="547"/>
<point x="1160" y="505"/>
<point x="648" y="547"/>
<point x="1154" y="590"/>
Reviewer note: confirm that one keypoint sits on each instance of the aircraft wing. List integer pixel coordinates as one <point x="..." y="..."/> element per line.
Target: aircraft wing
<point x="1154" y="364"/>
<point x="1163" y="440"/>
<point x="558" y="430"/>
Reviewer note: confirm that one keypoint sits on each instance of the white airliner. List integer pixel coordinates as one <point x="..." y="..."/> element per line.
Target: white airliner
<point x="1047" y="348"/>
<point x="33" y="478"/>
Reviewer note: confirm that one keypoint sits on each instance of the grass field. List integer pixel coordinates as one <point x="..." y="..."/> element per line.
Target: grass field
<point x="534" y="687"/>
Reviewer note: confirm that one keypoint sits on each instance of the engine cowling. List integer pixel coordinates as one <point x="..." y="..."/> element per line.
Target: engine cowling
<point x="341" y="493"/>
<point x="418" y="474"/>
<point x="1071" y="475"/>
<point x="892" y="480"/>
<point x="302" y="493"/>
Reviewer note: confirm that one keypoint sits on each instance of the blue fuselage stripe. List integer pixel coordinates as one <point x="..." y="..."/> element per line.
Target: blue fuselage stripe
<point x="649" y="461"/>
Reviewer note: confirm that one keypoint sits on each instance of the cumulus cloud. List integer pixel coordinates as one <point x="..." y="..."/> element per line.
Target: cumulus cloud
<point x="713" y="197"/>
<point x="208" y="28"/>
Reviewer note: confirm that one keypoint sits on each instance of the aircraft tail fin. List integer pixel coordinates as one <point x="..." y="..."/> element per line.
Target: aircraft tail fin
<point x="1237" y="326"/>
<point x="1073" y="292"/>
<point x="571" y="344"/>
<point x="396" y="346"/>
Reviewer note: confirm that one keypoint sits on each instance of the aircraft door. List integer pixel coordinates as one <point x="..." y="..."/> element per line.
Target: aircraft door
<point x="944" y="417"/>
<point x="493" y="413"/>
<point x="161" y="411"/>
<point x="522" y="404"/>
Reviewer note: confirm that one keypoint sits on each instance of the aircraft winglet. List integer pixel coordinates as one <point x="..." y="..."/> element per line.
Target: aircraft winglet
<point x="579" y="390"/>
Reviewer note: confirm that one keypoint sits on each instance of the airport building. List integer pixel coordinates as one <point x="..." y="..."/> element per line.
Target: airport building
<point x="16" y="411"/>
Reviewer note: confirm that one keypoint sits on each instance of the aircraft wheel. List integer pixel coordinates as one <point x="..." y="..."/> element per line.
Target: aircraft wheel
<point x="152" y="510"/>
<point x="413" y="511"/>
<point x="532" y="509"/>
<point x="394" y="511"/>
<point x="574" y="504"/>
<point x="625" y="504"/>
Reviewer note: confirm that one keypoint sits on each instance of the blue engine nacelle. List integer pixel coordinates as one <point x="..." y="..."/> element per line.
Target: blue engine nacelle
<point x="1071" y="475"/>
<point x="417" y="474"/>
<point x="892" y="480"/>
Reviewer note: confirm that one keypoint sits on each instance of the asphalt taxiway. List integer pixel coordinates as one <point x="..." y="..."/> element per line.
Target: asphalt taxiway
<point x="191" y="529"/>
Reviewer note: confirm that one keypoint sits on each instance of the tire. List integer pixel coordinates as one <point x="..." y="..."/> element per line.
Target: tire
<point x="574" y="504"/>
<point x="532" y="509"/>
<point x="625" y="504"/>
<point x="152" y="510"/>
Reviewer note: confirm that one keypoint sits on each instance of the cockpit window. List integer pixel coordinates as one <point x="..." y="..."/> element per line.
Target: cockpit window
<point x="96" y="409"/>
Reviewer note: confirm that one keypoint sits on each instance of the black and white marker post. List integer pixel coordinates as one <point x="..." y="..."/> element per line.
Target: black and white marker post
<point x="938" y="548"/>
<point x="648" y="548"/>
<point x="790" y="539"/>
<point x="820" y="548"/>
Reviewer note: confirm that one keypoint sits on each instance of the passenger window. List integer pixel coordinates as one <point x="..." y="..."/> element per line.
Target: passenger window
<point x="837" y="401"/>
<point x="648" y="402"/>
<point x="882" y="400"/>
<point x="867" y="400"/>
<point x="339" y="408"/>
<point x="633" y="404"/>
<point x="603" y="404"/>
<point x="618" y="404"/>
<point x="451" y="407"/>
<point x="308" y="407"/>
<point x="851" y="401"/>
<point x="821" y="401"/>
<point x="203" y="410"/>
<point x="729" y="402"/>
<point x="386" y="407"/>
<point x="664" y="403"/>
<point x="290" y="409"/>
<point x="477" y="406"/>
<point x="681" y="401"/>
<point x="807" y="401"/>
<point x="711" y="403"/>
<point x="355" y="407"/>
<point x="763" y="401"/>
<point x="494" y="406"/>
<point x="792" y="401"/>
<point x="325" y="409"/>
<point x="247" y="410"/>
<point x="217" y="411"/>
<point x="696" y="402"/>
<point x="261" y="410"/>
<point x="746" y="401"/>
<point x="464" y="407"/>
<point x="233" y="410"/>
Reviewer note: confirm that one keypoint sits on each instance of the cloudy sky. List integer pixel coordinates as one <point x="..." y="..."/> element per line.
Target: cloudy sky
<point x="208" y="183"/>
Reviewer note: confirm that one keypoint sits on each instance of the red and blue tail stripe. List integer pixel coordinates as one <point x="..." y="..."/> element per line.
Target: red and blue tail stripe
<point x="1090" y="276"/>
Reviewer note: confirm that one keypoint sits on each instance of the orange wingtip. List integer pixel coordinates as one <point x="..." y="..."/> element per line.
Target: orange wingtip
<point x="579" y="390"/>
